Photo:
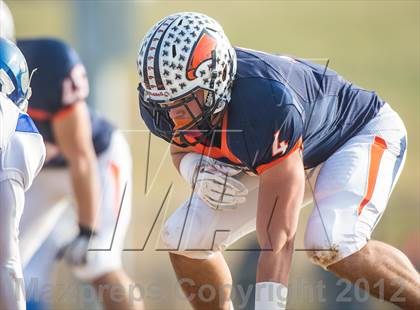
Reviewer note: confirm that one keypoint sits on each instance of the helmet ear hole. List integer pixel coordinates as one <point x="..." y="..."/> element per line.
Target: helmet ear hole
<point x="224" y="74"/>
<point x="207" y="98"/>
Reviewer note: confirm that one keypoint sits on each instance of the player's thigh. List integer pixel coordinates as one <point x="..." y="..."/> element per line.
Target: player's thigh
<point x="115" y="172"/>
<point x="351" y="194"/>
<point x="196" y="230"/>
<point x="113" y="217"/>
<point x="45" y="202"/>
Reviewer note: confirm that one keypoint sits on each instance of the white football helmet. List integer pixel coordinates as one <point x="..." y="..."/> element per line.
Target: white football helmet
<point x="179" y="55"/>
<point x="7" y="25"/>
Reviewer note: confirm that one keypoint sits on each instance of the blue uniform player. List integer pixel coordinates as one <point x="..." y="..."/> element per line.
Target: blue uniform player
<point x="60" y="70"/>
<point x="87" y="159"/>
<point x="325" y="113"/>
<point x="88" y="163"/>
<point x="247" y="130"/>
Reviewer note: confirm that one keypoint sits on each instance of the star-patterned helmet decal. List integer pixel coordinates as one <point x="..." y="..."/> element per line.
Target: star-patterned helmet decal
<point x="184" y="52"/>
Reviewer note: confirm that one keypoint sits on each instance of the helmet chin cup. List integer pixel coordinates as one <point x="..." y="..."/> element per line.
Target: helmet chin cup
<point x="194" y="132"/>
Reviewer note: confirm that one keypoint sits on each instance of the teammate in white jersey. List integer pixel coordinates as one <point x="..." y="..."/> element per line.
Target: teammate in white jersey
<point x="22" y="155"/>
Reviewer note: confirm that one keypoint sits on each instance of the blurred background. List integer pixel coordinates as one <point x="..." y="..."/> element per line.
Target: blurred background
<point x="375" y="44"/>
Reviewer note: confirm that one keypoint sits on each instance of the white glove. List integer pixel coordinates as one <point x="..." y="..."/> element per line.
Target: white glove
<point x="213" y="181"/>
<point x="75" y="253"/>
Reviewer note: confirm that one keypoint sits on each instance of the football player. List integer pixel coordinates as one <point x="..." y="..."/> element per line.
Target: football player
<point x="91" y="160"/>
<point x="245" y="128"/>
<point x="22" y="154"/>
<point x="87" y="161"/>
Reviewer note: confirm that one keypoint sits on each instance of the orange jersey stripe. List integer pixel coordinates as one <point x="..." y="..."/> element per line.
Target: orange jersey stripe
<point x="215" y="152"/>
<point x="376" y="151"/>
<point x="65" y="111"/>
<point x="41" y="115"/>
<point x="263" y="167"/>
<point x="225" y="148"/>
<point x="115" y="170"/>
<point x="38" y="114"/>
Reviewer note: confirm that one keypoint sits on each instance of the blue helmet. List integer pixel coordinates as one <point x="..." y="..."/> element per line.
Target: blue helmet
<point x="14" y="74"/>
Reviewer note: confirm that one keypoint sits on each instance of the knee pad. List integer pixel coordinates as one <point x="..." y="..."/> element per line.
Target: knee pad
<point x="198" y="231"/>
<point x="101" y="263"/>
<point x="185" y="233"/>
<point x="175" y="240"/>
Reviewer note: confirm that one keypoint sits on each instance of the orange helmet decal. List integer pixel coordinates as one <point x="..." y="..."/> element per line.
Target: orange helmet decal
<point x="202" y="52"/>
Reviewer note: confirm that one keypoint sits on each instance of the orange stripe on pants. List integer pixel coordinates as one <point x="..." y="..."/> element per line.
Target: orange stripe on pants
<point x="376" y="151"/>
<point x="116" y="174"/>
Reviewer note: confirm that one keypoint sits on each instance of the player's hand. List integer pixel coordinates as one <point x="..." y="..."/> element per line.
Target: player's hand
<point x="214" y="181"/>
<point x="75" y="253"/>
<point x="220" y="190"/>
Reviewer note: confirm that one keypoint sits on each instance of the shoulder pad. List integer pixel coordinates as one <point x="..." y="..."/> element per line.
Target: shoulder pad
<point x="9" y="114"/>
<point x="26" y="124"/>
<point x="23" y="157"/>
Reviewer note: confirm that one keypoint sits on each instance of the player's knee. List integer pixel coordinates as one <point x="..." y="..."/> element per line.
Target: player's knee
<point x="317" y="243"/>
<point x="171" y="234"/>
<point x="178" y="241"/>
<point x="326" y="244"/>
<point x="273" y="241"/>
<point x="324" y="257"/>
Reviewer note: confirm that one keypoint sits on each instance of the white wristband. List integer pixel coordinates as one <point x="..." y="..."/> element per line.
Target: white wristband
<point x="188" y="165"/>
<point x="270" y="296"/>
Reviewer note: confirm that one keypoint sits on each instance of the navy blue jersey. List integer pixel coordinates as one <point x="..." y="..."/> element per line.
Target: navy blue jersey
<point x="280" y="104"/>
<point x="59" y="82"/>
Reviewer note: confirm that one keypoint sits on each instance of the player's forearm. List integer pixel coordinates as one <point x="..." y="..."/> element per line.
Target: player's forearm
<point x="177" y="153"/>
<point x="276" y="238"/>
<point x="176" y="159"/>
<point x="279" y="202"/>
<point x="275" y="266"/>
<point x="277" y="218"/>
<point x="84" y="177"/>
<point x="276" y="242"/>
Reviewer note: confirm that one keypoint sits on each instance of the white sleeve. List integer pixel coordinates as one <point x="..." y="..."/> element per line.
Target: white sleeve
<point x="12" y="198"/>
<point x="188" y="166"/>
<point x="23" y="158"/>
<point x="22" y="149"/>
